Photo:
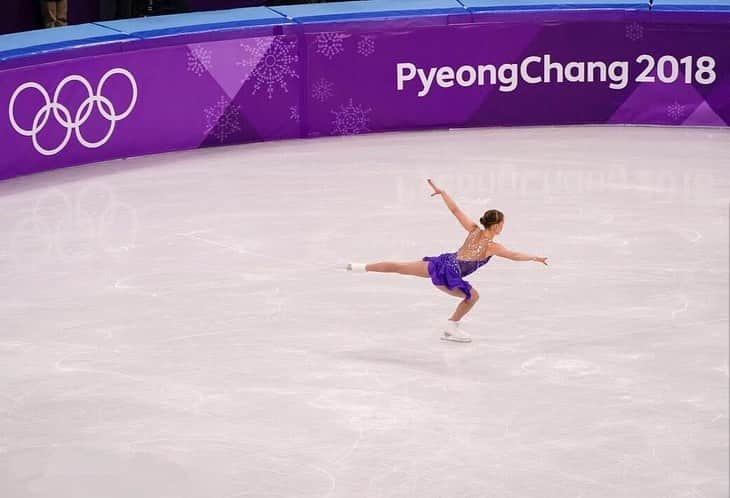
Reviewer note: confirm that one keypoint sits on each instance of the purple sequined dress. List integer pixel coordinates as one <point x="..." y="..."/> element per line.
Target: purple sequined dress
<point x="447" y="270"/>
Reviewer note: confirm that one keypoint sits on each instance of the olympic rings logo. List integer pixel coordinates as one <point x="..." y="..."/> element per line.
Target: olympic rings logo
<point x="62" y="114"/>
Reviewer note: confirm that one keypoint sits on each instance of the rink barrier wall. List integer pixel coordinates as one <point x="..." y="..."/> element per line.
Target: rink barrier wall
<point x="110" y="90"/>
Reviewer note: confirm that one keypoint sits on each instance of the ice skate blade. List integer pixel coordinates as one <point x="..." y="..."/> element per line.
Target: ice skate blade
<point x="454" y="339"/>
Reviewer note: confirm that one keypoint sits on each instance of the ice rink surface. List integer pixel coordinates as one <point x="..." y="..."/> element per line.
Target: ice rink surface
<point x="179" y="325"/>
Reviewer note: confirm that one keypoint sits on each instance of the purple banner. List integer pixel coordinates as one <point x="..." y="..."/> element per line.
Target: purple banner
<point x="513" y="69"/>
<point x="502" y="69"/>
<point x="155" y="100"/>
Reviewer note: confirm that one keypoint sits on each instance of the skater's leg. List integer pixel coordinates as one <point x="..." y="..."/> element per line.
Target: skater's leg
<point x="452" y="329"/>
<point x="416" y="268"/>
<point x="465" y="305"/>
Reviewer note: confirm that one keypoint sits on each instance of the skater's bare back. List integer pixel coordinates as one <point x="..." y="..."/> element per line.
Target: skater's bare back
<point x="476" y="246"/>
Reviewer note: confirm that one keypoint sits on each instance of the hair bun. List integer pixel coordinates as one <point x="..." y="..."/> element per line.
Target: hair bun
<point x="491" y="217"/>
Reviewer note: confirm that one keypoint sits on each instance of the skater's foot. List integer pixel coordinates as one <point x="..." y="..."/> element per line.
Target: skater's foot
<point x="453" y="332"/>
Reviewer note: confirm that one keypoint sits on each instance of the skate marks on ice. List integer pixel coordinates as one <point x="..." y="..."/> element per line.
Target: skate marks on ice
<point x="559" y="369"/>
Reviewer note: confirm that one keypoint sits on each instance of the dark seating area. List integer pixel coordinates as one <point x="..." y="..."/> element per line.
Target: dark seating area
<point x="26" y="15"/>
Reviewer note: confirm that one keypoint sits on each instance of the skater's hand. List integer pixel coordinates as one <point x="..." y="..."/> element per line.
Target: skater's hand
<point x="436" y="190"/>
<point x="541" y="260"/>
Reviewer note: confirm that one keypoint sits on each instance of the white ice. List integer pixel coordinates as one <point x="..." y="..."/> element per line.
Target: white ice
<point x="180" y="325"/>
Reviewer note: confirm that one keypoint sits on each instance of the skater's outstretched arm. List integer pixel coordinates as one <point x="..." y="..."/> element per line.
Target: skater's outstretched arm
<point x="465" y="221"/>
<point x="502" y="251"/>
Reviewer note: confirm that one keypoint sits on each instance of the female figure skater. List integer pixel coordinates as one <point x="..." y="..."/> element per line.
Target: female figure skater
<point x="447" y="270"/>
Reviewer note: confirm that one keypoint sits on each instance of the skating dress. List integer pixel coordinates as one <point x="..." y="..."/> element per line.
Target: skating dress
<point x="446" y="269"/>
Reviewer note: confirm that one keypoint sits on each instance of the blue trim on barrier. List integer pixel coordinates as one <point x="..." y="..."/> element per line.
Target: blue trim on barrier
<point x="692" y="5"/>
<point x="371" y="9"/>
<point x="39" y="42"/>
<point x="157" y="26"/>
<point x="35" y="42"/>
<point x="517" y="5"/>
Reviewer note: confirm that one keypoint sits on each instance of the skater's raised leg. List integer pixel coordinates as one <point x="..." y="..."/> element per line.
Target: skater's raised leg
<point x="415" y="268"/>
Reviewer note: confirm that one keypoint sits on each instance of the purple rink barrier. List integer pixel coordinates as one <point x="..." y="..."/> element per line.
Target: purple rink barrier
<point x="153" y="100"/>
<point x="506" y="69"/>
<point x="493" y="69"/>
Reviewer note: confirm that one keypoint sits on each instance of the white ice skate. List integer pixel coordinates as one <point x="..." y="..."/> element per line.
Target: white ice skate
<point x="452" y="332"/>
<point x="355" y="267"/>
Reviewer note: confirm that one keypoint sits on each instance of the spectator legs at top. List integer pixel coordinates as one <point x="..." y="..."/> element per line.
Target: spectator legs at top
<point x="54" y="13"/>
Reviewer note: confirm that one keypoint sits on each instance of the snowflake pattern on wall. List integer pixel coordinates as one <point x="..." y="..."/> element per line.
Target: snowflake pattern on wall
<point x="322" y="90"/>
<point x="273" y="63"/>
<point x="366" y="46"/>
<point x="329" y="44"/>
<point x="675" y="111"/>
<point x="222" y="119"/>
<point x="199" y="60"/>
<point x="294" y="113"/>
<point x="350" y="120"/>
<point x="634" y="31"/>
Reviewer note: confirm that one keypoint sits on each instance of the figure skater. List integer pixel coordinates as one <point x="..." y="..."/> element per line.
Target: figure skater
<point x="447" y="270"/>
